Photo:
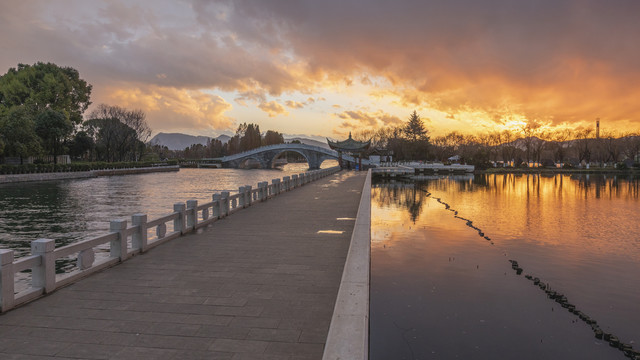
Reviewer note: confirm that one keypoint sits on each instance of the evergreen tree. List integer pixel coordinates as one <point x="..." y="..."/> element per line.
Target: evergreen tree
<point x="415" y="129"/>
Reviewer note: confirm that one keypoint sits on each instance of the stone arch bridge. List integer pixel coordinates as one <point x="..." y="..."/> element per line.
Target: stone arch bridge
<point x="266" y="155"/>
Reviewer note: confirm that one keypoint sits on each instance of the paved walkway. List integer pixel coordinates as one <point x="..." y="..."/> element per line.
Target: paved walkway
<point x="260" y="284"/>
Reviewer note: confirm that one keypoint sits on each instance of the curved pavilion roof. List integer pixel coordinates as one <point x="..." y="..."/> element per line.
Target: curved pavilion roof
<point x="349" y="145"/>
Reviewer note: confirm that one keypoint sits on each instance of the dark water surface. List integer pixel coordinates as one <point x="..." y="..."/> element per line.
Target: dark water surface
<point x="441" y="290"/>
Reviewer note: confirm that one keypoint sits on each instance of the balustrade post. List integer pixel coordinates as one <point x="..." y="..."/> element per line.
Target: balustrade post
<point x="44" y="275"/>
<point x="225" y="203"/>
<point x="276" y="186"/>
<point x="192" y="214"/>
<point x="241" y="195"/>
<point x="248" y="189"/>
<point x="294" y="181"/>
<point x="265" y="191"/>
<point x="119" y="245"/>
<point x="178" y="224"/>
<point x="216" y="206"/>
<point x="7" y="299"/>
<point x="285" y="182"/>
<point x="139" y="237"/>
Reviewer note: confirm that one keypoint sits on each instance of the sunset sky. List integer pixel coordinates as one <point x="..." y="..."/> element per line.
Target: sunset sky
<point x="328" y="67"/>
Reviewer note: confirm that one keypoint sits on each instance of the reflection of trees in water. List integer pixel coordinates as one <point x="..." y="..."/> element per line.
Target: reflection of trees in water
<point x="408" y="195"/>
<point x="535" y="185"/>
<point x="626" y="186"/>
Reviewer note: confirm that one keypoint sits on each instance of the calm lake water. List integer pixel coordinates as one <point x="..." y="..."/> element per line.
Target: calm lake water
<point x="78" y="209"/>
<point x="442" y="285"/>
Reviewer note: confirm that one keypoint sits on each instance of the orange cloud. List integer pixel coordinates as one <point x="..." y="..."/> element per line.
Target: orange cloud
<point x="273" y="108"/>
<point x="294" y="104"/>
<point x="492" y="59"/>
<point x="360" y="118"/>
<point x="169" y="108"/>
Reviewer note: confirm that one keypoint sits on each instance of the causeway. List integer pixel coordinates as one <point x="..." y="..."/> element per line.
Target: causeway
<point x="259" y="284"/>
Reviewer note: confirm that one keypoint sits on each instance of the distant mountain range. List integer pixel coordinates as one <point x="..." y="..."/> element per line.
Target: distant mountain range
<point x="177" y="141"/>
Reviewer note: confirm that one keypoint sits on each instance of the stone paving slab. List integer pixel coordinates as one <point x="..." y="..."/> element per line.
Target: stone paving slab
<point x="260" y="284"/>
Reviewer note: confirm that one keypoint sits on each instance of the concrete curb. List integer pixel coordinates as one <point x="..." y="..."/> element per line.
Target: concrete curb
<point x="348" y="336"/>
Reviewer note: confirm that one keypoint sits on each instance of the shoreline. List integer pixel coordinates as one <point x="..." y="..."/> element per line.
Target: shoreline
<point x="16" y="178"/>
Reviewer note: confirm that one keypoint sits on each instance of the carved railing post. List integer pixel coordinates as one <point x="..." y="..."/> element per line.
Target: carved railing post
<point x="276" y="186"/>
<point x="294" y="181"/>
<point x="44" y="275"/>
<point x="7" y="299"/>
<point x="241" y="196"/>
<point x="139" y="237"/>
<point x="247" y="195"/>
<point x="178" y="224"/>
<point x="192" y="214"/>
<point x="119" y="245"/>
<point x="216" y="206"/>
<point x="264" y="190"/>
<point x="225" y="203"/>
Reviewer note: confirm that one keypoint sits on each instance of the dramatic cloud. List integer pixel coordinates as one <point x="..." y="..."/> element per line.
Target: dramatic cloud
<point x="557" y="62"/>
<point x="176" y="109"/>
<point x="359" y="118"/>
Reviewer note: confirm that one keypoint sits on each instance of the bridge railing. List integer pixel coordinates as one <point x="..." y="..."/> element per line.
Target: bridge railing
<point x="125" y="240"/>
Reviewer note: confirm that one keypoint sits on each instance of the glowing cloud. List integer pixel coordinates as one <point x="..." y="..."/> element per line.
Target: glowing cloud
<point x="475" y="65"/>
<point x="170" y="108"/>
<point x="273" y="109"/>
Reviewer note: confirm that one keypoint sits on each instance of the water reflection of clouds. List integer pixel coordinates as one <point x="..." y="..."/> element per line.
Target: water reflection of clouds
<point x="578" y="232"/>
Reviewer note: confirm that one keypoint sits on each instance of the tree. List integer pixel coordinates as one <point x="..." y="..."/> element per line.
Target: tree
<point x="584" y="144"/>
<point x="115" y="141"/>
<point x="43" y="87"/>
<point x="18" y="130"/>
<point x="82" y="145"/>
<point x="272" y="138"/>
<point x="53" y="127"/>
<point x="559" y="144"/>
<point x="631" y="145"/>
<point x="215" y="148"/>
<point x="133" y="119"/>
<point x="415" y="129"/>
<point x="250" y="137"/>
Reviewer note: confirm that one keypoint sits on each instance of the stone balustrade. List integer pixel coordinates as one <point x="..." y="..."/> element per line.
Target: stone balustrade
<point x="126" y="240"/>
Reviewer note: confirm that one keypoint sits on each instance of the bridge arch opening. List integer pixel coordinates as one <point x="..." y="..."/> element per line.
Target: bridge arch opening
<point x="290" y="158"/>
<point x="328" y="163"/>
<point x="250" y="163"/>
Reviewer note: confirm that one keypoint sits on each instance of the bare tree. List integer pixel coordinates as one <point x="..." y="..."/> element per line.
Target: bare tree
<point x="584" y="144"/>
<point x="559" y="145"/>
<point x="631" y="145"/>
<point x="134" y="119"/>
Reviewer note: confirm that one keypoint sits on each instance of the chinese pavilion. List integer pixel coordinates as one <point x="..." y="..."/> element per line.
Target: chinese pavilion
<point x="350" y="147"/>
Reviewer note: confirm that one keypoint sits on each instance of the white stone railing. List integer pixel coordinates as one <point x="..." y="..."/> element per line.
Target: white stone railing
<point x="125" y="241"/>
